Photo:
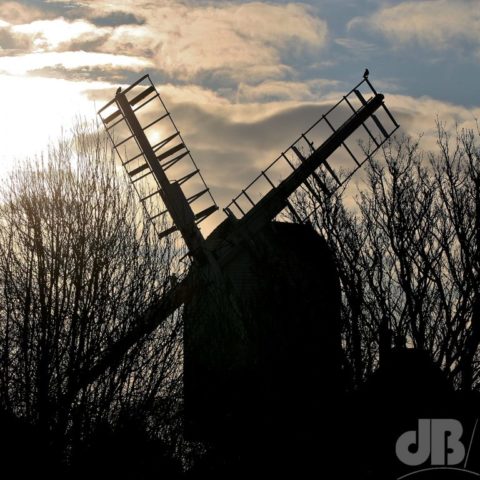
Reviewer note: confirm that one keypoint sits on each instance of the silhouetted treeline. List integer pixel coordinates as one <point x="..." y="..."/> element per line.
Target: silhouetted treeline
<point x="408" y="255"/>
<point x="78" y="264"/>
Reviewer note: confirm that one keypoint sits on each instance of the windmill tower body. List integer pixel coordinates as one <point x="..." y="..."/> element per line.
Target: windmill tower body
<point x="266" y="339"/>
<point x="262" y="297"/>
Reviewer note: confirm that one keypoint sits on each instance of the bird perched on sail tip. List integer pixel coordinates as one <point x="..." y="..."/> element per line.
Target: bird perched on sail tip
<point x="366" y="73"/>
<point x="119" y="89"/>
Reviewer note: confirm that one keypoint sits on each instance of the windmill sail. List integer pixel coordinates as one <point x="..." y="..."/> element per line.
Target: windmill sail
<point x="158" y="162"/>
<point x="361" y="115"/>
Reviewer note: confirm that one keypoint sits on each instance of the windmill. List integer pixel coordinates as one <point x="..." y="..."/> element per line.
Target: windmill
<point x="261" y="296"/>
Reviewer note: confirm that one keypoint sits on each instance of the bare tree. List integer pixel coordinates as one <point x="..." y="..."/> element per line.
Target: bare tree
<point x="78" y="264"/>
<point x="408" y="254"/>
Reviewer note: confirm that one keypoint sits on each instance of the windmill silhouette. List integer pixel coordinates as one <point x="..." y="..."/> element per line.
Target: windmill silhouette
<point x="261" y="296"/>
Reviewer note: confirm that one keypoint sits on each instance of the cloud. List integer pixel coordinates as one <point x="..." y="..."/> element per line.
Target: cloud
<point x="436" y="24"/>
<point x="12" y="43"/>
<point x="65" y="49"/>
<point x="111" y="74"/>
<point x="116" y="18"/>
<point x="239" y="41"/>
<point x="231" y="142"/>
<point x="276" y="90"/>
<point x="417" y="116"/>
<point x="17" y="13"/>
<point x="194" y="94"/>
<point x="236" y="38"/>
<point x="48" y="35"/>
<point x="53" y="35"/>
<point x="233" y="74"/>
<point x="133" y="40"/>
<point x="358" y="46"/>
<point x="22" y="64"/>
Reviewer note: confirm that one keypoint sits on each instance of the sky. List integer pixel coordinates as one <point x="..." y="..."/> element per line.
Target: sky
<point x="242" y="79"/>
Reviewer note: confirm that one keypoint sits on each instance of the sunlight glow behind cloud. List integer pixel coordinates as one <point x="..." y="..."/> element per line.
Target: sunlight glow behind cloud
<point x="49" y="34"/>
<point x="35" y="110"/>
<point x="242" y="79"/>
<point x="22" y="64"/>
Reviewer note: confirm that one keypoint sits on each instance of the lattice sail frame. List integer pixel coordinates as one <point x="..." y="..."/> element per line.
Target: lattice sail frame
<point x="173" y="191"/>
<point x="170" y="156"/>
<point x="376" y="130"/>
